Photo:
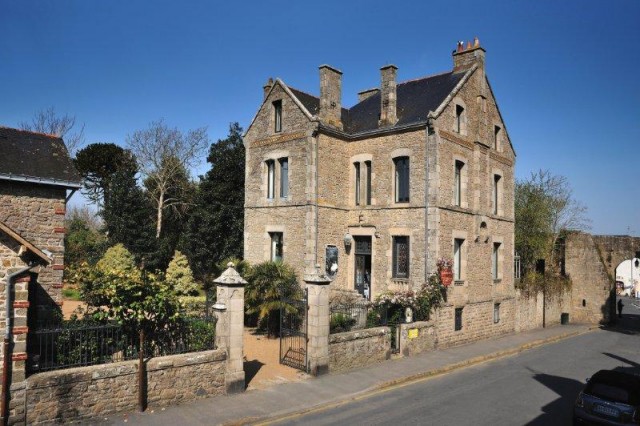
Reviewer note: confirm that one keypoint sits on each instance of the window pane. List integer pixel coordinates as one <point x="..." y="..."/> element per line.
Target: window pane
<point x="458" y="319"/>
<point x="284" y="177"/>
<point x="276" y="246"/>
<point x="496" y="313"/>
<point x="271" y="176"/>
<point x="277" y="109"/>
<point x="357" y="188"/>
<point x="368" y="194"/>
<point x="494" y="260"/>
<point x="402" y="179"/>
<point x="458" y="183"/>
<point x="457" y="259"/>
<point x="496" y="185"/>
<point x="400" y="257"/>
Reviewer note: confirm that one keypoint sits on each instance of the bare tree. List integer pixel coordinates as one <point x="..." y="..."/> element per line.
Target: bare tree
<point x="47" y="121"/>
<point x="164" y="154"/>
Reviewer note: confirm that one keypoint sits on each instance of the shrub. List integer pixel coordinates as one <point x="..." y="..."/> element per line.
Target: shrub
<point x="180" y="277"/>
<point x="340" y="322"/>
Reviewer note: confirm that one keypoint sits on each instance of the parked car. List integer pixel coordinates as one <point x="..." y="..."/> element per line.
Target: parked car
<point x="609" y="398"/>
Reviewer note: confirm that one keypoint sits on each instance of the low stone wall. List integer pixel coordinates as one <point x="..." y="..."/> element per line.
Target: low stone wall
<point x="88" y="392"/>
<point x="417" y="337"/>
<point x="529" y="312"/>
<point x="359" y="348"/>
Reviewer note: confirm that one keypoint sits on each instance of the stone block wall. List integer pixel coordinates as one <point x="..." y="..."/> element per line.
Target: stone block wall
<point x="356" y="349"/>
<point x="417" y="337"/>
<point x="529" y="310"/>
<point x="86" y="393"/>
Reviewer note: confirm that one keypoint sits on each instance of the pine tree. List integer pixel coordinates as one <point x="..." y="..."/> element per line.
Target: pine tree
<point x="179" y="276"/>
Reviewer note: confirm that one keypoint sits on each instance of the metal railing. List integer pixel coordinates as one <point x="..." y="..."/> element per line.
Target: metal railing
<point x="78" y="344"/>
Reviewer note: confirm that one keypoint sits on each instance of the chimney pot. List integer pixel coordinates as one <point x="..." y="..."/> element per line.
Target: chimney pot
<point x="466" y="58"/>
<point x="267" y="87"/>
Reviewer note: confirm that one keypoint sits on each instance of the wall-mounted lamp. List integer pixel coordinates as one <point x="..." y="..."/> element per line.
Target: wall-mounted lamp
<point x="347" y="241"/>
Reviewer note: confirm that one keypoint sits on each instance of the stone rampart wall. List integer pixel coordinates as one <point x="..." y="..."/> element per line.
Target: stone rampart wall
<point x="355" y="349"/>
<point x="90" y="392"/>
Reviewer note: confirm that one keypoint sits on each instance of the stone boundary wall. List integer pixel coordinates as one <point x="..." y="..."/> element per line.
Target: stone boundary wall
<point x="417" y="337"/>
<point x="80" y="394"/>
<point x="355" y="349"/>
<point x="529" y="310"/>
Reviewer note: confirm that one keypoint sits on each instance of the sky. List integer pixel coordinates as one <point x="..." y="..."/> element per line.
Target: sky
<point x="565" y="73"/>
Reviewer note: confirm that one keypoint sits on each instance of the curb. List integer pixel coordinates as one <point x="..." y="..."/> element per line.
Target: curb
<point x="382" y="387"/>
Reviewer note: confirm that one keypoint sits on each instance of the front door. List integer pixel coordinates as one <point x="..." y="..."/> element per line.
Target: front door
<point x="363" y="266"/>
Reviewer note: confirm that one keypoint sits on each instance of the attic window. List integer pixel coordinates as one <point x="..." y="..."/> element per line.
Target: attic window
<point x="459" y="118"/>
<point x="277" y="115"/>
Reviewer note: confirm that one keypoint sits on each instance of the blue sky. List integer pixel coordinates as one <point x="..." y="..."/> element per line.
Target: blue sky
<point x="565" y="73"/>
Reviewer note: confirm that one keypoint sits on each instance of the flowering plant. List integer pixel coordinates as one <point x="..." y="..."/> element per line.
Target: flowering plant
<point x="444" y="263"/>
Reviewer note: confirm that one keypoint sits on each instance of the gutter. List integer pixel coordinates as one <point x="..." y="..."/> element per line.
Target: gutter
<point x="7" y="338"/>
<point x="44" y="181"/>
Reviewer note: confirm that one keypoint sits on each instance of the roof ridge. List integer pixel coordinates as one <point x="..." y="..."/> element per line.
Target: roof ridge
<point x="425" y="77"/>
<point x="31" y="131"/>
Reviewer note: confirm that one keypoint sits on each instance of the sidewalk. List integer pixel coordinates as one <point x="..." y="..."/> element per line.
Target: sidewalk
<point x="297" y="397"/>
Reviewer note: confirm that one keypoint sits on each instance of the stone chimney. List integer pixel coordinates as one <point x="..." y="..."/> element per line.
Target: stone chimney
<point x="466" y="57"/>
<point x="388" y="96"/>
<point x="366" y="94"/>
<point x="267" y="87"/>
<point x="330" y="96"/>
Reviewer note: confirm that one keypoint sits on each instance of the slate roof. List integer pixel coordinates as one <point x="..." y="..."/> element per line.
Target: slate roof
<point x="415" y="98"/>
<point x="36" y="157"/>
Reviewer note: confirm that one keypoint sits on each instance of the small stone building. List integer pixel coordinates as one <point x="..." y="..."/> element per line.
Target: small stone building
<point x="36" y="179"/>
<point x="377" y="193"/>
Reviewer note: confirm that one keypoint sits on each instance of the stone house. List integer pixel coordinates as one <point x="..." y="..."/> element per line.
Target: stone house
<point x="415" y="171"/>
<point x="36" y="179"/>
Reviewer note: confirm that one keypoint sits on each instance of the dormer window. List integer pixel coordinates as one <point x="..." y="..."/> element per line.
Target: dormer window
<point x="459" y="118"/>
<point x="277" y="115"/>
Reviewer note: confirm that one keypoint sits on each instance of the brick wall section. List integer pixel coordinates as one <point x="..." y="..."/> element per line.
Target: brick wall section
<point x="591" y="286"/>
<point x="82" y="394"/>
<point x="356" y="349"/>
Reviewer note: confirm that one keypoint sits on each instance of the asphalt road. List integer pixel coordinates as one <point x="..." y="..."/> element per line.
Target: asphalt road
<point x="537" y="387"/>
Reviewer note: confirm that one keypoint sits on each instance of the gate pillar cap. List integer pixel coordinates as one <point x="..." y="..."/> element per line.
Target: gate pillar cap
<point x="230" y="277"/>
<point x="317" y="277"/>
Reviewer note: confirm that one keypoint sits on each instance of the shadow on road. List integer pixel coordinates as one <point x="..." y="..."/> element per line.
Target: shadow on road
<point x="557" y="412"/>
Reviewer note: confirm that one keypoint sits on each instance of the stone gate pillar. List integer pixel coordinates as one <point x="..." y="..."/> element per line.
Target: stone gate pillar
<point x="229" y="309"/>
<point x="318" y="325"/>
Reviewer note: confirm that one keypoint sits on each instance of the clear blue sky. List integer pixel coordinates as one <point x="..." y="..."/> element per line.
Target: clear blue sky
<point x="565" y="73"/>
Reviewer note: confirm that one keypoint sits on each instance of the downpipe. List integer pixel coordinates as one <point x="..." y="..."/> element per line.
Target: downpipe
<point x="7" y="339"/>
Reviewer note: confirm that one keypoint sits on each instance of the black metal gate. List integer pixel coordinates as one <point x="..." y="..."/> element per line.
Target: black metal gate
<point x="293" y="332"/>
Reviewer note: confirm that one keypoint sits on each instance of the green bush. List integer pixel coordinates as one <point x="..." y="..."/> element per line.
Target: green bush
<point x="340" y="323"/>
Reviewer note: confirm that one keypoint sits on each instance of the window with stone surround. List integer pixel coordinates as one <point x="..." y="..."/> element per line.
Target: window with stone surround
<point x="271" y="178"/>
<point x="458" y="319"/>
<point x="496" y="193"/>
<point x="276" y="246"/>
<point x="284" y="177"/>
<point x="400" y="257"/>
<point x="496" y="137"/>
<point x="277" y="115"/>
<point x="460" y="119"/>
<point x="357" y="183"/>
<point x="496" y="313"/>
<point x="495" y="261"/>
<point x="401" y="179"/>
<point x="367" y="165"/>
<point x="457" y="183"/>
<point x="458" y="247"/>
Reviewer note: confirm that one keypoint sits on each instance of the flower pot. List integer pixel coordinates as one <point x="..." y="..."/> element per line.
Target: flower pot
<point x="446" y="276"/>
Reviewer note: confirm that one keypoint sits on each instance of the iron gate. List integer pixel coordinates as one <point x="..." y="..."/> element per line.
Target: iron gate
<point x="293" y="332"/>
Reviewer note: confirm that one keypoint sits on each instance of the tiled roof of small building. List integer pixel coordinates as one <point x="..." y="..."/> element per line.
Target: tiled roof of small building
<point x="36" y="157"/>
<point x="415" y="98"/>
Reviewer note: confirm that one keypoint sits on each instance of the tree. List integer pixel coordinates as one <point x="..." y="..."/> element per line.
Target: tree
<point x="164" y="153"/>
<point x="83" y="240"/>
<point x="97" y="164"/>
<point x="544" y="207"/>
<point x="47" y="121"/>
<point x="180" y="277"/>
<point x="216" y="225"/>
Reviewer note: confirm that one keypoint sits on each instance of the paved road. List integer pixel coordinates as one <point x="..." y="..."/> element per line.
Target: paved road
<point x="537" y="387"/>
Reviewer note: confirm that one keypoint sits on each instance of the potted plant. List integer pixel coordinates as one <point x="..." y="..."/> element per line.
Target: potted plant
<point x="445" y="270"/>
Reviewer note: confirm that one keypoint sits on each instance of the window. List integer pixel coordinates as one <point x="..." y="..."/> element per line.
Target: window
<point x="367" y="164"/>
<point x="496" y="313"/>
<point x="457" y="259"/>
<point x="496" y="193"/>
<point x="402" y="179"/>
<point x="276" y="246"/>
<point x="458" y="183"/>
<point x="357" y="188"/>
<point x="496" y="137"/>
<point x="277" y="116"/>
<point x="400" y="257"/>
<point x="458" y="319"/>
<point x="284" y="177"/>
<point x="495" y="261"/>
<point x="271" y="178"/>
<point x="459" y="118"/>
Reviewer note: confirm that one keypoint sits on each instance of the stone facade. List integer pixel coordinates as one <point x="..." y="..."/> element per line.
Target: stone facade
<point x="321" y="210"/>
<point x="90" y="392"/>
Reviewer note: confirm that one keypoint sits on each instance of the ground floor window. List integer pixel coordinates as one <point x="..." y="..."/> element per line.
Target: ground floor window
<point x="458" y="319"/>
<point x="401" y="257"/>
<point x="276" y="246"/>
<point x="496" y="313"/>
